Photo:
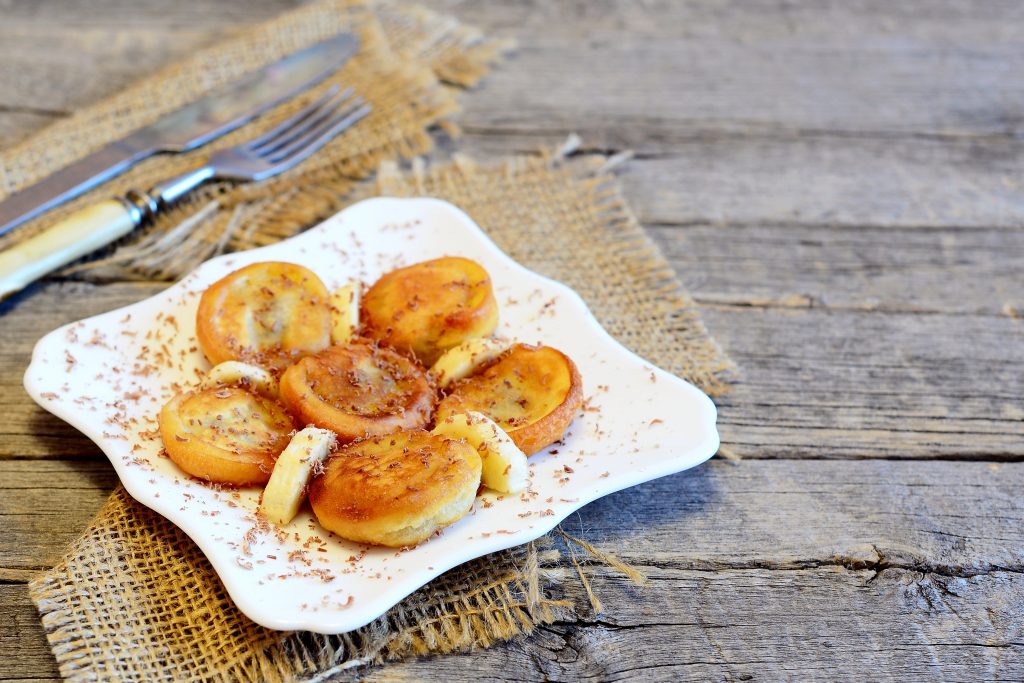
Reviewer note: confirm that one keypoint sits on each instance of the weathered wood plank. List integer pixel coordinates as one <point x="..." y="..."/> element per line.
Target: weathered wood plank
<point x="727" y="624"/>
<point x="884" y="269"/>
<point x="136" y="14"/>
<point x="55" y="59"/>
<point x="790" y="178"/>
<point x="816" y="182"/>
<point x="24" y="653"/>
<point x="736" y="131"/>
<point x="849" y="384"/>
<point x="818" y="624"/>
<point x="44" y="506"/>
<point x="767" y="625"/>
<point x="949" y="517"/>
<point x="763" y="112"/>
<point x="772" y="133"/>
<point x="58" y="68"/>
<point x="850" y="67"/>
<point x="745" y="161"/>
<point x="903" y="182"/>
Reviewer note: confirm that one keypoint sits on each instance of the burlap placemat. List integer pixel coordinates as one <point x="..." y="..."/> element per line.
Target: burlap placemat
<point x="411" y="90"/>
<point x="134" y="598"/>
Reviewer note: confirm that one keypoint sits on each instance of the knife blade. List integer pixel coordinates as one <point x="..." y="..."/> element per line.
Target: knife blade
<point x="183" y="129"/>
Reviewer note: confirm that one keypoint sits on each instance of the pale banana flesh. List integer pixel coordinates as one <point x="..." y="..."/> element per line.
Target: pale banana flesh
<point x="344" y="313"/>
<point x="233" y="372"/>
<point x="286" y="489"/>
<point x="504" y="466"/>
<point x="463" y="360"/>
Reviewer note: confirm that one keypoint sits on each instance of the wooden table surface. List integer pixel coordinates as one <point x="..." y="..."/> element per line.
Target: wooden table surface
<point x="837" y="184"/>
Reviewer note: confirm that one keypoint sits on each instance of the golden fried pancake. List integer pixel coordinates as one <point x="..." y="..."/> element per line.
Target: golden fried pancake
<point x="359" y="390"/>
<point x="396" y="490"/>
<point x="532" y="392"/>
<point x="225" y="434"/>
<point x="430" y="307"/>
<point x="268" y="314"/>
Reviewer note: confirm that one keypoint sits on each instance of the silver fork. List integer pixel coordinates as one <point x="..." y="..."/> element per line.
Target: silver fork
<point x="100" y="224"/>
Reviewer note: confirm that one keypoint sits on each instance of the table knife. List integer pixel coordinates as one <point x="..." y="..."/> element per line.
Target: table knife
<point x="184" y="129"/>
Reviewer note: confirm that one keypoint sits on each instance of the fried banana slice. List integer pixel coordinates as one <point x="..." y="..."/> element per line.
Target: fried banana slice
<point x="287" y="486"/>
<point x="344" y="313"/>
<point x="430" y="307"/>
<point x="396" y="490"/>
<point x="268" y="314"/>
<point x="531" y="392"/>
<point x="225" y="434"/>
<point x="245" y="375"/>
<point x="359" y="390"/>
<point x="504" y="466"/>
<point x="461" y="361"/>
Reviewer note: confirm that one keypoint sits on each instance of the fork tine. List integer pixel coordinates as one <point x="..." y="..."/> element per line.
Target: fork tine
<point x="314" y="120"/>
<point x="322" y="133"/>
<point x="315" y="139"/>
<point x="299" y="117"/>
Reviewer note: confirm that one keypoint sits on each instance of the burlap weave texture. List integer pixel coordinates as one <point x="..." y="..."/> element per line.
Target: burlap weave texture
<point x="403" y="86"/>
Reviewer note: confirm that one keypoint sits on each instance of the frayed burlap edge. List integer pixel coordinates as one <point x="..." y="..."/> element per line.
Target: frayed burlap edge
<point x="459" y="54"/>
<point x="135" y="599"/>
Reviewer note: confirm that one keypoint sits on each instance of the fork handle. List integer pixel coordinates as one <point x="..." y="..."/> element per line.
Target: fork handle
<point x="77" y="235"/>
<point x="85" y="231"/>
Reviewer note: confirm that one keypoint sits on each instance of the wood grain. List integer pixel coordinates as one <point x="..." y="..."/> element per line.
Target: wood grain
<point x="877" y="547"/>
<point x="766" y="625"/>
<point x="836" y="67"/>
<point x="45" y="506"/>
<point x="852" y="384"/>
<point x="837" y="184"/>
<point x="829" y="624"/>
<point x="24" y="652"/>
<point x="861" y="268"/>
<point x="793" y="179"/>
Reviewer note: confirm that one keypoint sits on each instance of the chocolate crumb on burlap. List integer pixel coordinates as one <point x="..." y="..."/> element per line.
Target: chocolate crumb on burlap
<point x="134" y="598"/>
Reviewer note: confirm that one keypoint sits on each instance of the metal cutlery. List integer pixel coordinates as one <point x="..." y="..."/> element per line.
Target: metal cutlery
<point x="100" y="224"/>
<point x="184" y="129"/>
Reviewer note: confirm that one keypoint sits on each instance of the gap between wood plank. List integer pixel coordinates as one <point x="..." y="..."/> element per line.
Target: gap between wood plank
<point x="706" y="130"/>
<point x="807" y="301"/>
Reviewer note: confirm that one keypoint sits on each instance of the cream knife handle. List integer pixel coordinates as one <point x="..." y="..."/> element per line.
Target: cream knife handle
<point x="81" y="233"/>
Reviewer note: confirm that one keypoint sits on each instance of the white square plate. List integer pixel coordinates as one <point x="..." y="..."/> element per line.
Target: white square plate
<point x="108" y="376"/>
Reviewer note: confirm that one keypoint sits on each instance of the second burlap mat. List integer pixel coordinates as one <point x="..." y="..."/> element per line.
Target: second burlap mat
<point x="136" y="599"/>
